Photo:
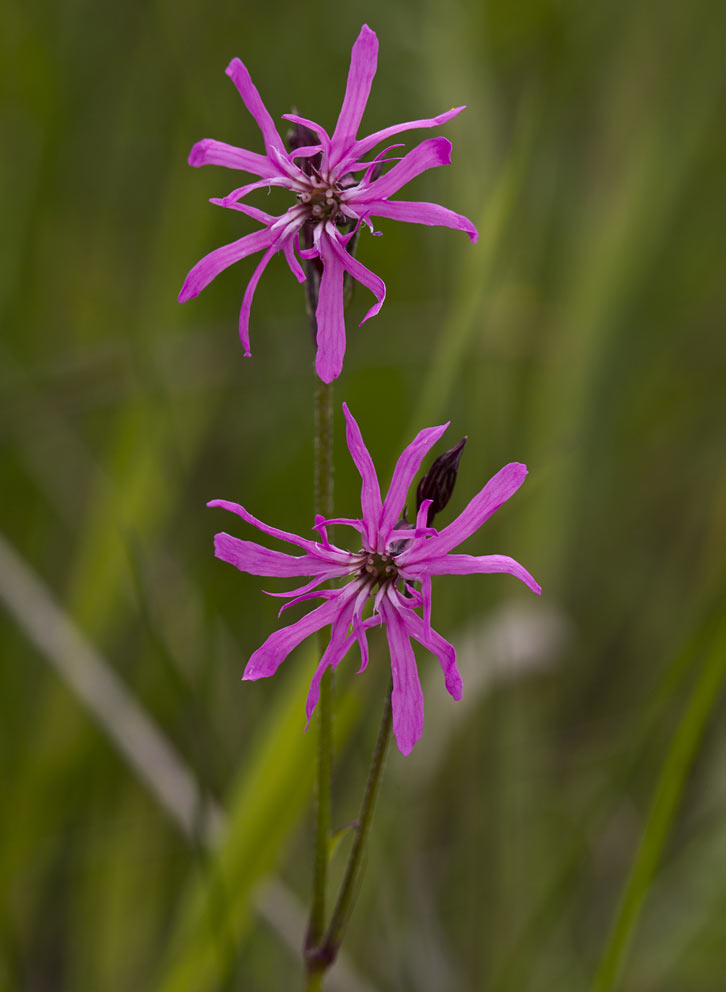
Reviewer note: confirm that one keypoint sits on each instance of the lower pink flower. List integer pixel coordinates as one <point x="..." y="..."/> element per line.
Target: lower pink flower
<point x="392" y="571"/>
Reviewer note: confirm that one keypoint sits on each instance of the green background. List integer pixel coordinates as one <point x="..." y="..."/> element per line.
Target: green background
<point x="562" y="827"/>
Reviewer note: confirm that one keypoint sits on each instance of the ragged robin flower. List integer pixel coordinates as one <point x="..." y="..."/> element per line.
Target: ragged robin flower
<point x="339" y="184"/>
<point x="386" y="581"/>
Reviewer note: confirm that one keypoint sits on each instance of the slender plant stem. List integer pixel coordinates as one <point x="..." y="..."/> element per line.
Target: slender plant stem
<point x="316" y="937"/>
<point x="324" y="506"/>
<point x="314" y="981"/>
<point x="324" y="447"/>
<point x="328" y="950"/>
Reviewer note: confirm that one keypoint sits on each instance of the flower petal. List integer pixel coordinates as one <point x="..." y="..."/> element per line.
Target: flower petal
<point x="363" y="64"/>
<point x="305" y="151"/>
<point x="427" y="155"/>
<point x="359" y="272"/>
<point x="269" y="656"/>
<point x="407" y="699"/>
<point x="312" y="547"/>
<point x="237" y="72"/>
<point x="209" y="267"/>
<point x="241" y="191"/>
<point x="370" y="495"/>
<point x="312" y="126"/>
<point x="347" y="522"/>
<point x="406" y="468"/>
<point x="359" y="631"/>
<point x="365" y="144"/>
<point x="413" y="212"/>
<point x="208" y="151"/>
<point x="257" y="560"/>
<point x="244" y="314"/>
<point x="471" y="564"/>
<point x="422" y="519"/>
<point x="329" y="316"/>
<point x="301" y="590"/>
<point x="288" y="248"/>
<point x="338" y="647"/>
<point x="319" y="594"/>
<point x="243" y="208"/>
<point x="486" y="502"/>
<point x="438" y="645"/>
<point x="426" y="597"/>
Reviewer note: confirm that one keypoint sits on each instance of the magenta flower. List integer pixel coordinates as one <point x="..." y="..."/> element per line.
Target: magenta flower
<point x="393" y="569"/>
<point x="338" y="188"/>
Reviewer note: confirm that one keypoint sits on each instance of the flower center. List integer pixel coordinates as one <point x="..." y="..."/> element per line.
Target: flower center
<point x="378" y="569"/>
<point x="322" y="203"/>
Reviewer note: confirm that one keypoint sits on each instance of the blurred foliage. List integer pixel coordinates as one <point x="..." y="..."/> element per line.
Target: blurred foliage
<point x="582" y="335"/>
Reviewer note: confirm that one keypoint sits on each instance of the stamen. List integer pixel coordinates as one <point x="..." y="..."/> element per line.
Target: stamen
<point x="377" y="569"/>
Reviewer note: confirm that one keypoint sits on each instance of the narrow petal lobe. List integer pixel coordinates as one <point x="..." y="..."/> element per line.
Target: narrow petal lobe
<point x="363" y="64"/>
<point x="406" y="468"/>
<point x="359" y="272"/>
<point x="470" y="564"/>
<point x="427" y="155"/>
<point x="256" y="560"/>
<point x="329" y="315"/>
<point x="237" y="72"/>
<point x="407" y="699"/>
<point x="497" y="491"/>
<point x="267" y="659"/>
<point x="370" y="496"/>
<point x="211" y="152"/>
<point x="209" y="267"/>
<point x="365" y="144"/>
<point x="430" y="214"/>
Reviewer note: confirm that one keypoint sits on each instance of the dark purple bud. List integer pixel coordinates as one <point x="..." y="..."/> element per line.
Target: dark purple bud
<point x="438" y="483"/>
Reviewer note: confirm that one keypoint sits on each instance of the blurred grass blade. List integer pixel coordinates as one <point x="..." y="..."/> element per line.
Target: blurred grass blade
<point x="669" y="790"/>
<point x="264" y="808"/>
<point x="106" y="698"/>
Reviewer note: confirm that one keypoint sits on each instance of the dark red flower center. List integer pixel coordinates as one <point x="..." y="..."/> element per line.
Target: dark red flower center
<point x="378" y="569"/>
<point x="322" y="203"/>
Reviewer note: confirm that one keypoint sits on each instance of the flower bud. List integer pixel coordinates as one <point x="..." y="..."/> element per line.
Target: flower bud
<point x="438" y="483"/>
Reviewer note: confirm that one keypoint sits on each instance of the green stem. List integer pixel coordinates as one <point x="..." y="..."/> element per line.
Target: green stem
<point x="329" y="948"/>
<point x="324" y="506"/>
<point x="314" y="981"/>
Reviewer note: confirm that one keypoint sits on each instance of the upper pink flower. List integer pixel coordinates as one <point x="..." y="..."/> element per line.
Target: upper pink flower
<point x="338" y="187"/>
<point x="393" y="568"/>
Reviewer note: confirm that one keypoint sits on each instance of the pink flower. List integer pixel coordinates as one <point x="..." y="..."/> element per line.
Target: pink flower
<point x="393" y="568"/>
<point x="338" y="187"/>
